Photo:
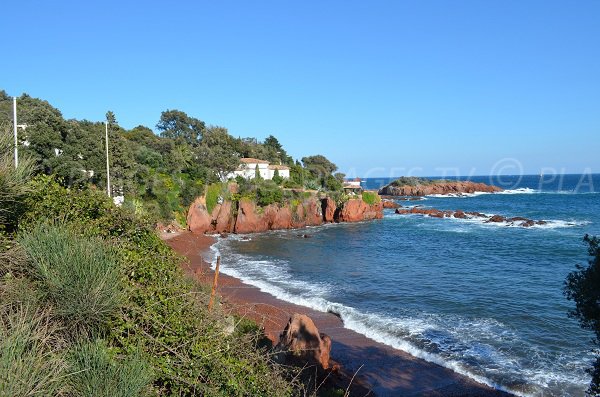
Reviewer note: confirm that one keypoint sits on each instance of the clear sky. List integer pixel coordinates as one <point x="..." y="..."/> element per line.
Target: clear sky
<point x="382" y="88"/>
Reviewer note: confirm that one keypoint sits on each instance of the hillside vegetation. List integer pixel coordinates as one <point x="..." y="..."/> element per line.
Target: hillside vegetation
<point x="159" y="175"/>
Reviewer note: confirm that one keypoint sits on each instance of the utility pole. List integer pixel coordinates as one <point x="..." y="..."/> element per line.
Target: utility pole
<point x="15" y="126"/>
<point x="107" y="165"/>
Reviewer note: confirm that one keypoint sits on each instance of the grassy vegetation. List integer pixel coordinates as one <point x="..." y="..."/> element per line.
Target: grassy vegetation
<point x="79" y="277"/>
<point x="213" y="192"/>
<point x="371" y="197"/>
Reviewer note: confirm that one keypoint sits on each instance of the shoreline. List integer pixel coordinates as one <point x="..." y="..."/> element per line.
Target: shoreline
<point x="385" y="370"/>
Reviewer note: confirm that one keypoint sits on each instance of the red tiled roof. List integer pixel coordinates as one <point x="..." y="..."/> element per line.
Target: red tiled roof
<point x="278" y="167"/>
<point x="250" y="160"/>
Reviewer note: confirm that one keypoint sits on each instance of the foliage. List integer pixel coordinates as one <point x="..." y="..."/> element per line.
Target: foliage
<point x="218" y="153"/>
<point x="13" y="186"/>
<point x="277" y="178"/>
<point x="178" y="125"/>
<point x="312" y="184"/>
<point x="371" y="197"/>
<point x="332" y="184"/>
<point x="414" y="181"/>
<point x="94" y="372"/>
<point x="268" y="193"/>
<point x="581" y="286"/>
<point x="80" y="277"/>
<point x="319" y="166"/>
<point x="213" y="192"/>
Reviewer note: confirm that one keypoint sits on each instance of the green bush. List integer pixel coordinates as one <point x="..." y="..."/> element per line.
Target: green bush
<point x="268" y="193"/>
<point x="371" y="197"/>
<point x="332" y="184"/>
<point x="80" y="276"/>
<point x="312" y="184"/>
<point x="94" y="373"/>
<point x="212" y="196"/>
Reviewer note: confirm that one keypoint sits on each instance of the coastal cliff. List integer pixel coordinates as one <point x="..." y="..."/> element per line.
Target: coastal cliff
<point x="244" y="216"/>
<point x="425" y="187"/>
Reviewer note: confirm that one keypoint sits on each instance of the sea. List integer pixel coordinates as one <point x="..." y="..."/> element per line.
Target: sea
<point x="484" y="299"/>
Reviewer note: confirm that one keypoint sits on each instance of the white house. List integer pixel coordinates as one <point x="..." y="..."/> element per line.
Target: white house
<point x="247" y="169"/>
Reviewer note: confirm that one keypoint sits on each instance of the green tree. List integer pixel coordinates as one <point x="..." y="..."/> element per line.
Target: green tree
<point x="111" y="118"/>
<point x="178" y="125"/>
<point x="583" y="287"/>
<point x="217" y="152"/>
<point x="257" y="175"/>
<point x="319" y="166"/>
<point x="276" y="177"/>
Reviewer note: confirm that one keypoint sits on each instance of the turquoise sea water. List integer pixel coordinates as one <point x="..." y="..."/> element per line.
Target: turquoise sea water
<point x="483" y="299"/>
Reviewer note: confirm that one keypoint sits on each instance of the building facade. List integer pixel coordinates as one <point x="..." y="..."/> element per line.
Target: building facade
<point x="248" y="168"/>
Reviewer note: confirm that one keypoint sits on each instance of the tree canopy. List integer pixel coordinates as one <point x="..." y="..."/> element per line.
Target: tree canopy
<point x="176" y="124"/>
<point x="583" y="287"/>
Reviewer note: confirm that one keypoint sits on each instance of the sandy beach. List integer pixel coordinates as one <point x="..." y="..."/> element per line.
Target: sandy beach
<point x="384" y="370"/>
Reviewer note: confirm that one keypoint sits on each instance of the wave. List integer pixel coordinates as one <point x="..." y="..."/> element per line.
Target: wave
<point x="449" y="341"/>
<point x="522" y="190"/>
<point x="480" y="221"/>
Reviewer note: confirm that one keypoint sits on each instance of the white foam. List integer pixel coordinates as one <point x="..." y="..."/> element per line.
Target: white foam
<point x="522" y="190"/>
<point x="470" y="219"/>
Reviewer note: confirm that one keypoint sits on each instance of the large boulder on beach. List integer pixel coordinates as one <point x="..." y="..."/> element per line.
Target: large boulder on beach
<point x="301" y="342"/>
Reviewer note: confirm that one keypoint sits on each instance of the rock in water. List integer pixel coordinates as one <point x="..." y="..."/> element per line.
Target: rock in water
<point x="301" y="341"/>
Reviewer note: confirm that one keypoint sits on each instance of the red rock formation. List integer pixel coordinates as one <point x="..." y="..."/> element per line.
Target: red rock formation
<point x="302" y="342"/>
<point x="356" y="210"/>
<point x="450" y="187"/>
<point x="390" y="204"/>
<point x="253" y="219"/>
<point x="330" y="208"/>
<point x="198" y="219"/>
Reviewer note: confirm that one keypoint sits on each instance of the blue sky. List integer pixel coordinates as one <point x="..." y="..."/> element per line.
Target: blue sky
<point x="382" y="88"/>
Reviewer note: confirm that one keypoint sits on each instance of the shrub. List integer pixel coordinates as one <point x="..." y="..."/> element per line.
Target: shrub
<point x="277" y="178"/>
<point x="212" y="196"/>
<point x="94" y="373"/>
<point x="268" y="193"/>
<point x="80" y="276"/>
<point x="371" y="197"/>
<point x="332" y="184"/>
<point x="312" y="184"/>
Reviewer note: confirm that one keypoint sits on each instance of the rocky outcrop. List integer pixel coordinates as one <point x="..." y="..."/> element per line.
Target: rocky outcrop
<point x="221" y="219"/>
<point x="356" y="210"/>
<point x="390" y="204"/>
<point x="442" y="187"/>
<point x="302" y="343"/>
<point x="246" y="217"/>
<point x="435" y="213"/>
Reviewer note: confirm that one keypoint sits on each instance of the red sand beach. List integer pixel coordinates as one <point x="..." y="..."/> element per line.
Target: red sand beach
<point x="387" y="371"/>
